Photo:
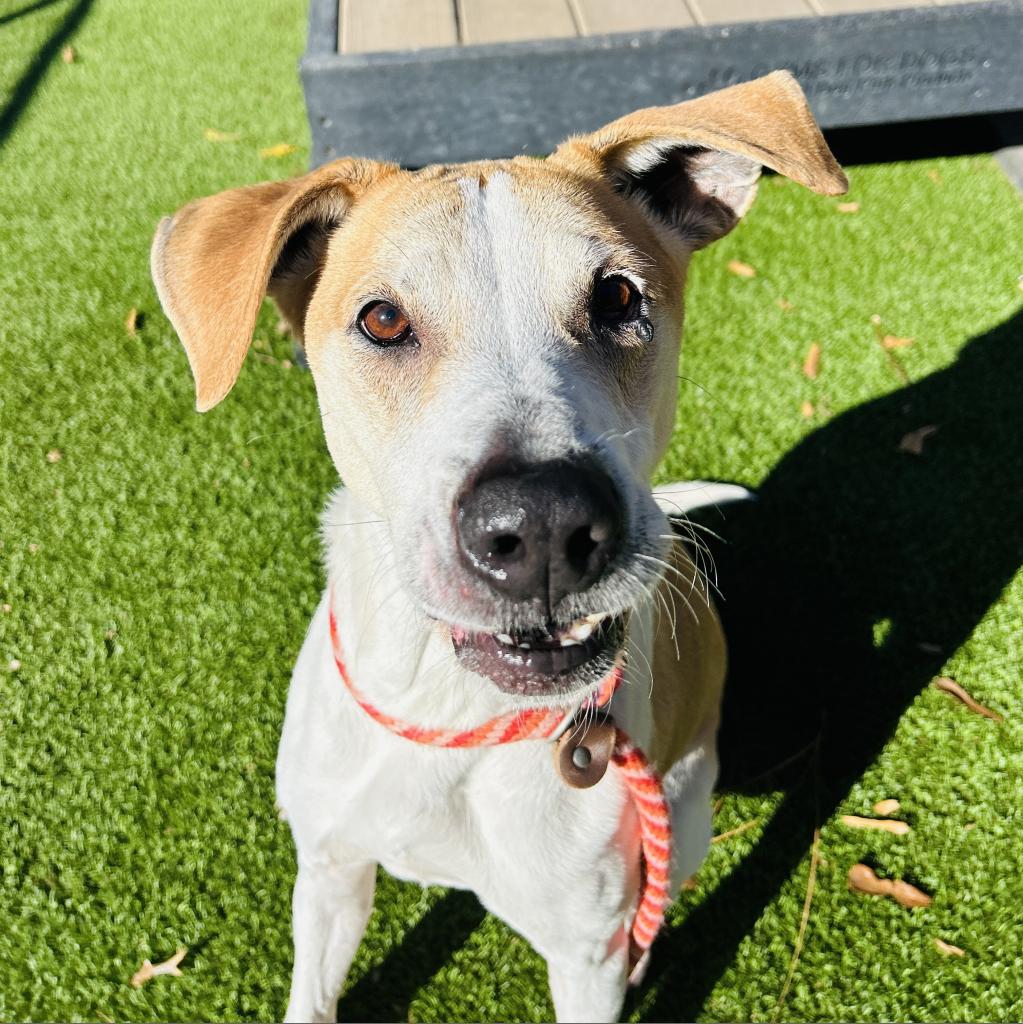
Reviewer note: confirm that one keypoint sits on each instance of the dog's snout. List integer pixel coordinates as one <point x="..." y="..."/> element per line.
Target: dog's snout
<point x="541" y="532"/>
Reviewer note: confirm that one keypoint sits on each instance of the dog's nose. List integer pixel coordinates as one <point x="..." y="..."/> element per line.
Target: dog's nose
<point x="543" y="531"/>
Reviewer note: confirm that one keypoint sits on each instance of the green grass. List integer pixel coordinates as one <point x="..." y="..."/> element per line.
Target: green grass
<point x="160" y="575"/>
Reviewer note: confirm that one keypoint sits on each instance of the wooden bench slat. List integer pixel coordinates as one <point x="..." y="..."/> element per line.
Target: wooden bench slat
<point x="855" y="6"/>
<point x="373" y="26"/>
<point x="597" y="17"/>
<point x="720" y="12"/>
<point x="497" y="21"/>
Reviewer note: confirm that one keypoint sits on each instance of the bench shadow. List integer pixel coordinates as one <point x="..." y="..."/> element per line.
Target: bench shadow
<point x="859" y="571"/>
<point x="44" y="57"/>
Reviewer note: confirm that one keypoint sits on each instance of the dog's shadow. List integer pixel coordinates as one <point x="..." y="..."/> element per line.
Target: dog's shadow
<point x="859" y="570"/>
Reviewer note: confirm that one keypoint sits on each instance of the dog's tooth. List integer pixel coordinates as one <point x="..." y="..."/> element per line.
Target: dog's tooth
<point x="569" y="642"/>
<point x="525" y="645"/>
<point x="580" y="631"/>
<point x="504" y="638"/>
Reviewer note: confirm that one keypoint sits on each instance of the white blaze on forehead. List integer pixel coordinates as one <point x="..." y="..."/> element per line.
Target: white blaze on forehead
<point x="534" y="256"/>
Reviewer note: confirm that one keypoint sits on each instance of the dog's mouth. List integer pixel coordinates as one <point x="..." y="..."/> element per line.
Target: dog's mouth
<point x="548" y="661"/>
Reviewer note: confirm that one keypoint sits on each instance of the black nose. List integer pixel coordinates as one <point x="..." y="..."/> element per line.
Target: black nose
<point x="541" y="532"/>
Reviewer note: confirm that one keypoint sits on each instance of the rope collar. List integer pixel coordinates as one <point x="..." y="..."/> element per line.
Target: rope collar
<point x="640" y="777"/>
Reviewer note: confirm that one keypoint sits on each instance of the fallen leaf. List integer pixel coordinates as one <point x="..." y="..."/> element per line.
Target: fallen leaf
<point x="744" y="827"/>
<point x="785" y="305"/>
<point x="281" y="149"/>
<point x="949" y="685"/>
<point x="54" y="455"/>
<point x="812" y="362"/>
<point x="6" y="608"/>
<point x="862" y="878"/>
<point x="741" y="269"/>
<point x="131" y="322"/>
<point x="69" y="55"/>
<point x="886" y="807"/>
<point x="934" y="175"/>
<point x="149" y="970"/>
<point x="33" y="549"/>
<point x="891" y="342"/>
<point x="848" y="207"/>
<point x="947" y="949"/>
<point x="897" y="828"/>
<point x="806" y="409"/>
<point x="14" y="664"/>
<point x="214" y="135"/>
<point x="913" y="442"/>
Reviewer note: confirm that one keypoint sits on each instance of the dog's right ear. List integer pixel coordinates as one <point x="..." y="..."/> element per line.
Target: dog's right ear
<point x="216" y="258"/>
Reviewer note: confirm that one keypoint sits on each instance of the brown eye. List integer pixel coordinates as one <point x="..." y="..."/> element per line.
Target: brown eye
<point x="615" y="301"/>
<point x="384" y="323"/>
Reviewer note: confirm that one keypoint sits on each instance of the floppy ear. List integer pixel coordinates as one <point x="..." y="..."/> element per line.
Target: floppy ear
<point x="695" y="165"/>
<point x="216" y="258"/>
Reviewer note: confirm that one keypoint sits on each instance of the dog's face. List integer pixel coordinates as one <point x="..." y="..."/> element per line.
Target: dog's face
<point x="495" y="351"/>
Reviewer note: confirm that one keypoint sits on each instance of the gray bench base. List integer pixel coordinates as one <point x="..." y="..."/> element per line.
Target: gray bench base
<point x="461" y="103"/>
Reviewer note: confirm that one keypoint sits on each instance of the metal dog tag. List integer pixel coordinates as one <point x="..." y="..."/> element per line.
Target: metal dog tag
<point x="581" y="753"/>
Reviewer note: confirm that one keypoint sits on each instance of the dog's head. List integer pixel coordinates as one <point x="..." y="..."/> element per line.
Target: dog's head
<point x="495" y="351"/>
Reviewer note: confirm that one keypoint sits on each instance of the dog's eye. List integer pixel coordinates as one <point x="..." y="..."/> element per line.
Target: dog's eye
<point x="384" y="323"/>
<point x="615" y="301"/>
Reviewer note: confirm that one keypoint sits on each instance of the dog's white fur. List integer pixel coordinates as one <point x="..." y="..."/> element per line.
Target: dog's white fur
<point x="495" y="265"/>
<point x="559" y="865"/>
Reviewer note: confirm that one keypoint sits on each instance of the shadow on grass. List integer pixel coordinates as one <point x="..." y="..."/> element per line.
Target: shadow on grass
<point x="385" y="992"/>
<point x="851" y="581"/>
<point x="22" y="92"/>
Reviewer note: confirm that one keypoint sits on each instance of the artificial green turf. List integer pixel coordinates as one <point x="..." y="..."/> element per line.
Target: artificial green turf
<point x="161" y="573"/>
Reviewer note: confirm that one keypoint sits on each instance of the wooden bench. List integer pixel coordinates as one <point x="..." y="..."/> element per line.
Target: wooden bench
<point x="425" y="81"/>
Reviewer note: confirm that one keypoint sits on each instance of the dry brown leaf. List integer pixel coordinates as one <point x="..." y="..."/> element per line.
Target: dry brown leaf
<point x="281" y="149"/>
<point x="812" y="362"/>
<point x="863" y="879"/>
<point x="54" y="455"/>
<point x="148" y="970"/>
<point x="807" y="410"/>
<point x="848" y="207"/>
<point x="744" y="827"/>
<point x="897" y="828"/>
<point x="33" y="548"/>
<point x="913" y="442"/>
<point x="934" y="176"/>
<point x="785" y="305"/>
<point x="891" y="342"/>
<point x="214" y="135"/>
<point x="947" y="949"/>
<point x="885" y="807"/>
<point x="131" y="322"/>
<point x="69" y="55"/>
<point x="741" y="269"/>
<point x="949" y="685"/>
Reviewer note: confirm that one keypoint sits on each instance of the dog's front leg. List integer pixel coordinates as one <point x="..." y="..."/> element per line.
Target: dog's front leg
<point x="584" y="989"/>
<point x="330" y="906"/>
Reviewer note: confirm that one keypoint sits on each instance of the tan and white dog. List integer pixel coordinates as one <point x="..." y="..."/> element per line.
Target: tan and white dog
<point x="495" y="350"/>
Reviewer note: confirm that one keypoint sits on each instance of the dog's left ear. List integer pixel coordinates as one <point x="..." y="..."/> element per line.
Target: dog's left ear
<point x="216" y="258"/>
<point x="695" y="165"/>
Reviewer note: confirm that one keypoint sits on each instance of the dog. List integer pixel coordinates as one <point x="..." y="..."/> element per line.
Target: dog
<point x="495" y="351"/>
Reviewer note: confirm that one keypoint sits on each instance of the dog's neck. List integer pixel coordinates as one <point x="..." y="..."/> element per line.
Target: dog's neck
<point x="399" y="658"/>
